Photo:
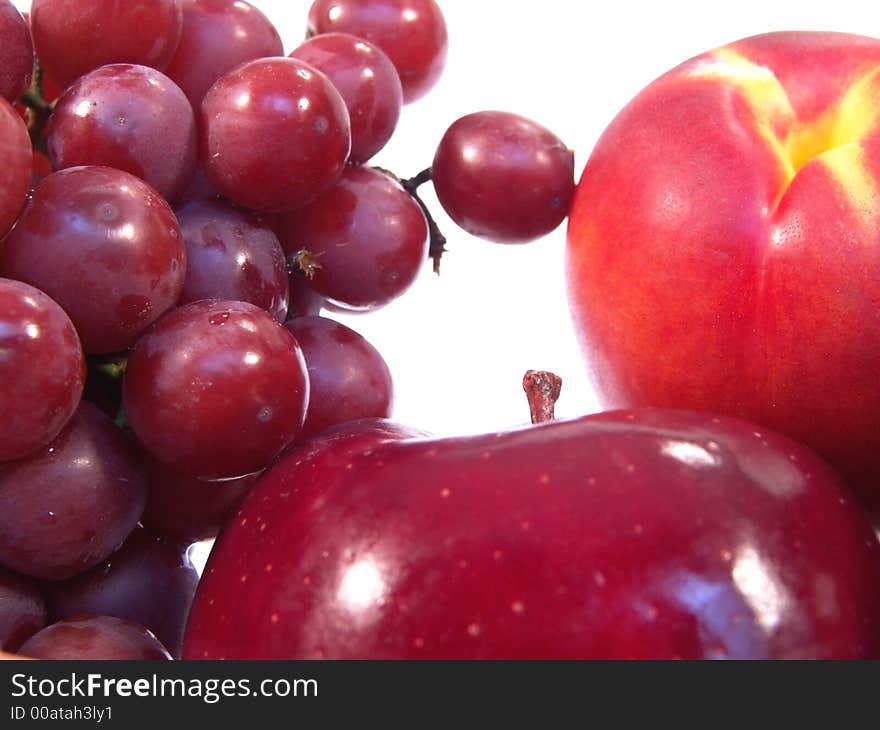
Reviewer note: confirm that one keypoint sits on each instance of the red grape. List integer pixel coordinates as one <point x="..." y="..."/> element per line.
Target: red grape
<point x="367" y="237"/>
<point x="42" y="369"/>
<point x="105" y="246"/>
<point x="149" y="580"/>
<point x="22" y="610"/>
<point x="94" y="638"/>
<point x="275" y="134"/>
<point x="411" y="32"/>
<point x="70" y="505"/>
<point x="367" y="81"/>
<point x="16" y="53"/>
<point x="133" y="118"/>
<point x="232" y="255"/>
<point x="217" y="36"/>
<point x="72" y="37"/>
<point x="348" y="378"/>
<point x="216" y="389"/>
<point x="503" y="177"/>
<point x="187" y="508"/>
<point x="16" y="161"/>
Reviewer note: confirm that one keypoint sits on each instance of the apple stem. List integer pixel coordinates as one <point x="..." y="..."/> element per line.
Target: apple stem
<point x="542" y="389"/>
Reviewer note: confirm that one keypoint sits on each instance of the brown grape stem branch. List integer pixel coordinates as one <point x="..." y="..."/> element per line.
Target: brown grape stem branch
<point x="437" y="241"/>
<point x="39" y="111"/>
<point x="542" y="389"/>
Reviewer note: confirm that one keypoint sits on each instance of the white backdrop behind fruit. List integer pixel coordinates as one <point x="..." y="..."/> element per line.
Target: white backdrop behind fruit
<point x="459" y="343"/>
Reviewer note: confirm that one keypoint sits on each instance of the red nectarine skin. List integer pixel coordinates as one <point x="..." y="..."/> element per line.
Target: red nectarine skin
<point x="653" y="534"/>
<point x="724" y="244"/>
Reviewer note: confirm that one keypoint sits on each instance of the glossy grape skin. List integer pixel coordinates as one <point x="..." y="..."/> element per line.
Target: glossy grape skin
<point x="368" y="83"/>
<point x="73" y="37"/>
<point x="69" y="506"/>
<point x="503" y="177"/>
<point x="304" y="300"/>
<point x="42" y="369"/>
<point x="367" y="235"/>
<point x="218" y="35"/>
<point x="97" y="638"/>
<point x="16" y="161"/>
<point x="150" y="580"/>
<point x="232" y="255"/>
<point x="132" y="118"/>
<point x="105" y="246"/>
<point x="275" y="134"/>
<point x="22" y="610"/>
<point x="188" y="509"/>
<point x="348" y="378"/>
<point x="216" y="389"/>
<point x="411" y="32"/>
<point x="16" y="53"/>
<point x="642" y="534"/>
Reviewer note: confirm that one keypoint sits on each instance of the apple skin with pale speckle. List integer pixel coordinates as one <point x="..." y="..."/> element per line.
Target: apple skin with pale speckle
<point x="634" y="534"/>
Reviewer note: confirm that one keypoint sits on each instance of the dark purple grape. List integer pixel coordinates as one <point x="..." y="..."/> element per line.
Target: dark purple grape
<point x="217" y="36"/>
<point x="304" y="300"/>
<point x="105" y="246"/>
<point x="412" y="33"/>
<point x="95" y="639"/>
<point x="150" y="580"/>
<point x="232" y="255"/>
<point x="72" y="37"/>
<point x="72" y="504"/>
<point x="216" y="389"/>
<point x="189" y="509"/>
<point x="132" y="118"/>
<point x="348" y="378"/>
<point x="42" y="369"/>
<point x="368" y="83"/>
<point x="16" y="53"/>
<point x="22" y="610"/>
<point x="16" y="163"/>
<point x="275" y="134"/>
<point x="366" y="240"/>
<point x="503" y="177"/>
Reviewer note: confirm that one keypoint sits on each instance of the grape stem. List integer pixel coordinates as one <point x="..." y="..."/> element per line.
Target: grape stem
<point x="542" y="389"/>
<point x="437" y="241"/>
<point x="39" y="111"/>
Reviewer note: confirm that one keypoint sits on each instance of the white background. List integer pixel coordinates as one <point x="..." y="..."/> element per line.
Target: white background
<point x="458" y="344"/>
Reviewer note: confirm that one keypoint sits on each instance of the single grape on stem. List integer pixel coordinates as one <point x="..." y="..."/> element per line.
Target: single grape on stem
<point x="69" y="506"/>
<point x="367" y="81"/>
<point x="217" y="36"/>
<point x="275" y="134"/>
<point x="16" y="53"/>
<point x="231" y="254"/>
<point x="105" y="246"/>
<point x="362" y="243"/>
<point x="75" y="36"/>
<point x="216" y="389"/>
<point x="95" y="638"/>
<point x="16" y="162"/>
<point x="129" y="117"/>
<point x="42" y="369"/>
<point x="150" y="580"/>
<point x="348" y="378"/>
<point x="503" y="177"/>
<point x="411" y="32"/>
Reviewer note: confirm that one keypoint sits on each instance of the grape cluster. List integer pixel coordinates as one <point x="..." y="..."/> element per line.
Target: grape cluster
<point x="179" y="204"/>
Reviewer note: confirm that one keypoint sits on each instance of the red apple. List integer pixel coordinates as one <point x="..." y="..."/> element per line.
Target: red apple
<point x="724" y="244"/>
<point x="652" y="534"/>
